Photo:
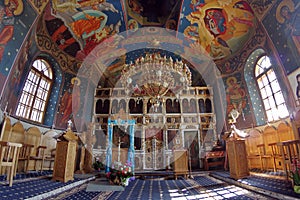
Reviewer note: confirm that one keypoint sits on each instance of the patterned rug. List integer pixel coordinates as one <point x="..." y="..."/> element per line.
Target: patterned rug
<point x="200" y="186"/>
<point x="35" y="185"/>
<point x="25" y="176"/>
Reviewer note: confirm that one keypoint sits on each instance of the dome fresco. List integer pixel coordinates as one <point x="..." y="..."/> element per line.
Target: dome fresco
<point x="220" y="27"/>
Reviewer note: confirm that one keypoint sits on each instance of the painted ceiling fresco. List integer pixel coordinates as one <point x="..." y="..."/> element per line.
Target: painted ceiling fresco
<point x="221" y="27"/>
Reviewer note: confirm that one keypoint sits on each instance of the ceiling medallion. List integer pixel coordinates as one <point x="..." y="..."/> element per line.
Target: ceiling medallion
<point x="155" y="76"/>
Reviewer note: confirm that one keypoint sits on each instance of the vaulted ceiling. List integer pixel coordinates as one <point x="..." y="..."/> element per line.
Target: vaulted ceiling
<point x="125" y="29"/>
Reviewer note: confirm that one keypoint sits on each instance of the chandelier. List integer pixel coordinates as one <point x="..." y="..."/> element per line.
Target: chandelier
<point x="155" y="75"/>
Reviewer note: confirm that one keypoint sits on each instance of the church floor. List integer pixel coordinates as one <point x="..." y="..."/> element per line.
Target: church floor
<point x="200" y="185"/>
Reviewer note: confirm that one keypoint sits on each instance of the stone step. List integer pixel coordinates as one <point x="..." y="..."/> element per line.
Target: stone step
<point x="102" y="184"/>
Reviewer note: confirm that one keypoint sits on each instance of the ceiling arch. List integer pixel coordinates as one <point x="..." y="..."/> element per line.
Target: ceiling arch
<point x="220" y="27"/>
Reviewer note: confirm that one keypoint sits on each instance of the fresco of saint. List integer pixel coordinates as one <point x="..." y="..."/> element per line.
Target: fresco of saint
<point x="235" y="95"/>
<point x="7" y="20"/>
<point x="224" y="27"/>
<point x="86" y="26"/>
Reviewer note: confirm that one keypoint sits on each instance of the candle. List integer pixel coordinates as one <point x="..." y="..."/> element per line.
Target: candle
<point x="119" y="149"/>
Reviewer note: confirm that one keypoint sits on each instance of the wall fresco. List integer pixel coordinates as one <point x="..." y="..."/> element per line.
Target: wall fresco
<point x="16" y="19"/>
<point x="221" y="27"/>
<point x="283" y="26"/>
<point x="78" y="26"/>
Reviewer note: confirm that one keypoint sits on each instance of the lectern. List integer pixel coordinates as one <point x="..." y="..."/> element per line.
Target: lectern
<point x="237" y="158"/>
<point x="180" y="163"/>
<point x="64" y="163"/>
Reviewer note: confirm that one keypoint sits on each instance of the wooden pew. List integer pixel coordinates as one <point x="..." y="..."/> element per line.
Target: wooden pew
<point x="5" y="129"/>
<point x="48" y="140"/>
<point x="254" y="149"/>
<point x="17" y="134"/>
<point x="33" y="137"/>
<point x="290" y="155"/>
<point x="296" y="124"/>
<point x="264" y="146"/>
<point x="285" y="132"/>
<point x="9" y="152"/>
<point x="270" y="137"/>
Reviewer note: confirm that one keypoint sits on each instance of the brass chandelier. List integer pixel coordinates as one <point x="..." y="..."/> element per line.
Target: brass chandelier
<point x="155" y="76"/>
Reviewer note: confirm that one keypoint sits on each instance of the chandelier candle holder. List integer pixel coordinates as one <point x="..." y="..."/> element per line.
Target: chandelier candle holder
<point x="155" y="76"/>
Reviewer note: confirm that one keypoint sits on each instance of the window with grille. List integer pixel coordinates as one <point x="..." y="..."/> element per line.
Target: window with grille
<point x="270" y="90"/>
<point x="34" y="97"/>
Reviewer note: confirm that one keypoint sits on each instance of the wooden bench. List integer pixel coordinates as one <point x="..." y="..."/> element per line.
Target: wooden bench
<point x="48" y="140"/>
<point x="50" y="158"/>
<point x="262" y="145"/>
<point x="214" y="159"/>
<point x="32" y="149"/>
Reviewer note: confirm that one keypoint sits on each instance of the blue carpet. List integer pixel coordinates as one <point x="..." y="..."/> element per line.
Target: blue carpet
<point x="216" y="189"/>
<point x="30" y="185"/>
<point x="206" y="181"/>
<point x="270" y="184"/>
<point x="201" y="187"/>
<point x="83" y="195"/>
<point x="155" y="189"/>
<point x="22" y="176"/>
<point x="278" y="173"/>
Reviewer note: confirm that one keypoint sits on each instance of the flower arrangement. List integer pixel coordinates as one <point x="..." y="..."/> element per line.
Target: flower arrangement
<point x="120" y="174"/>
<point x="98" y="165"/>
<point x="295" y="172"/>
<point x="295" y="175"/>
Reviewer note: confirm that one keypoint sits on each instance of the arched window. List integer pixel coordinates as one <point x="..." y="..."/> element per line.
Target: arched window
<point x="270" y="90"/>
<point x="33" y="101"/>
